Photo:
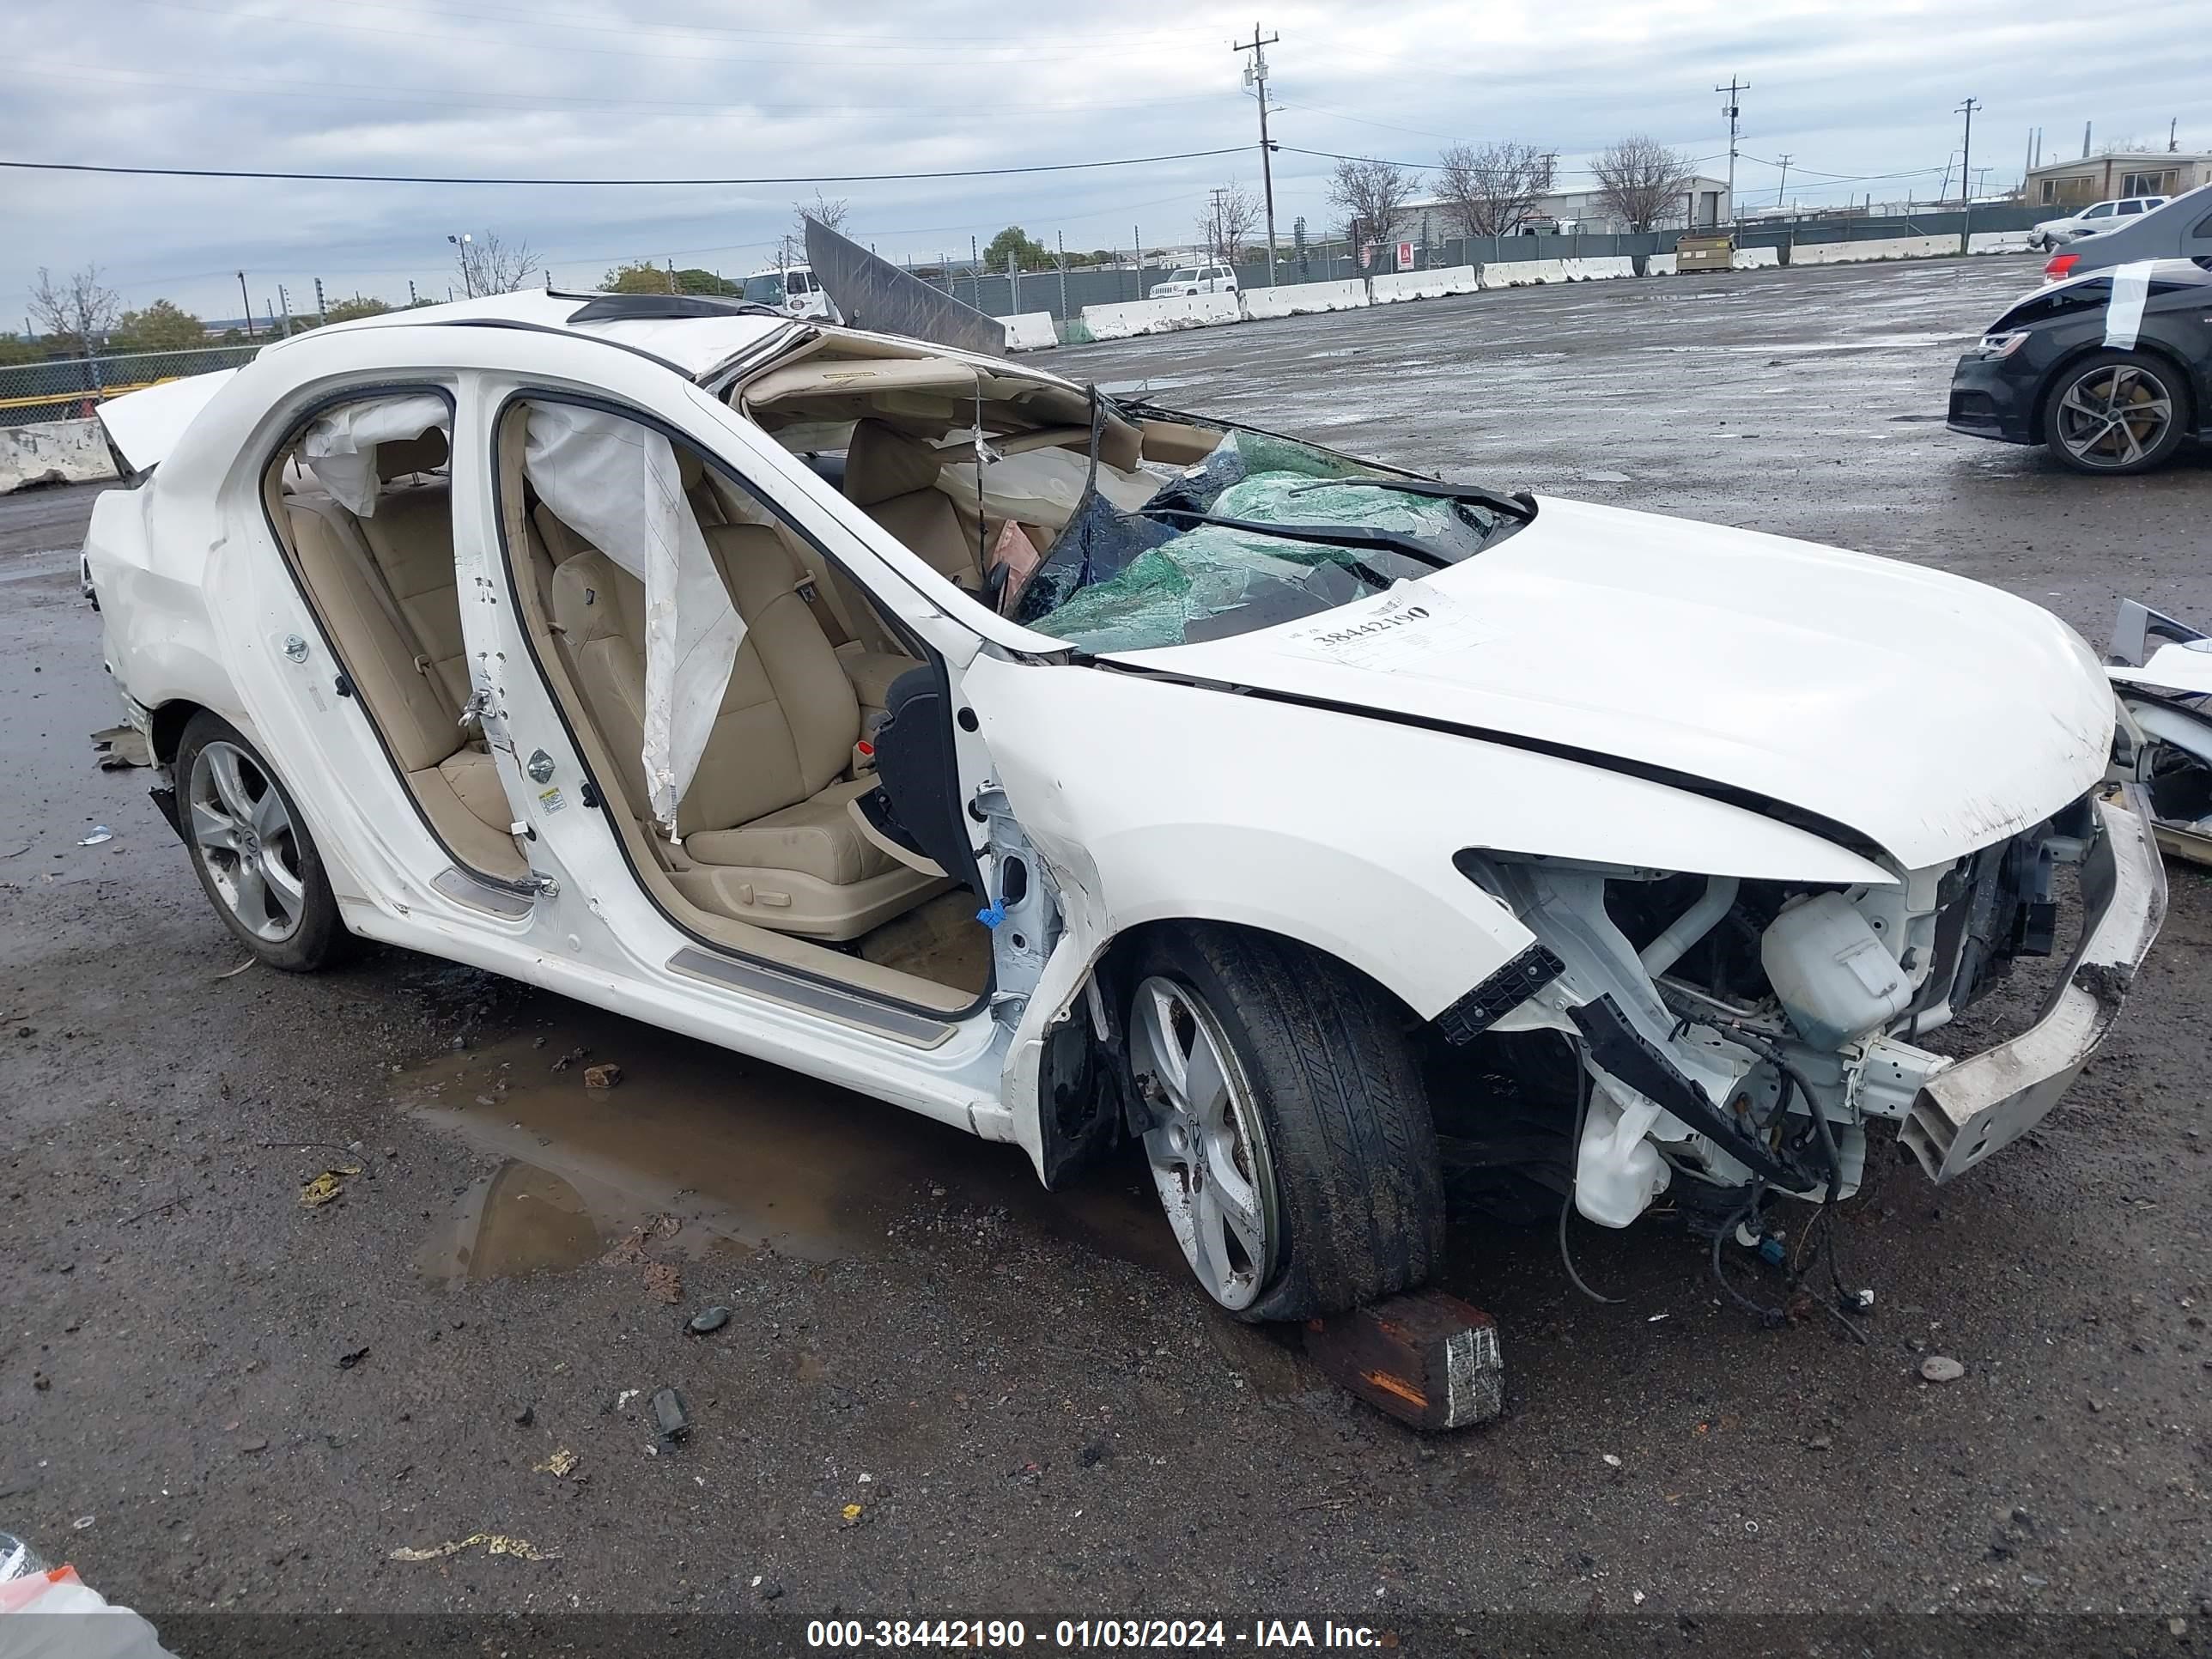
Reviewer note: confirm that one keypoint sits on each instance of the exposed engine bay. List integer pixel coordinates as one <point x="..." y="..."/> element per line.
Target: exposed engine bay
<point x="1742" y="1036"/>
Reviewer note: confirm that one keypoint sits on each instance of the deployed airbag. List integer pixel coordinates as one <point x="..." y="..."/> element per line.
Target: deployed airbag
<point x="340" y="448"/>
<point x="617" y="484"/>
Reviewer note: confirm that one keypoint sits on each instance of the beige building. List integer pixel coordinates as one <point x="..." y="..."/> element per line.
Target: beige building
<point x="2066" y="184"/>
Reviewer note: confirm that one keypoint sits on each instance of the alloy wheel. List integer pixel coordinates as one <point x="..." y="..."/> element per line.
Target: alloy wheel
<point x="2113" y="416"/>
<point x="1208" y="1148"/>
<point x="243" y="834"/>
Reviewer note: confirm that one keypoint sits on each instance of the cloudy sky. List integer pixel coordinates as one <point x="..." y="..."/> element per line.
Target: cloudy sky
<point x="625" y="88"/>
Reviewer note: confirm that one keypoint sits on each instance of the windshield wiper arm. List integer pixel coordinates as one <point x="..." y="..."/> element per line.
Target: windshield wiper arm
<point x="1326" y="535"/>
<point x="1519" y="506"/>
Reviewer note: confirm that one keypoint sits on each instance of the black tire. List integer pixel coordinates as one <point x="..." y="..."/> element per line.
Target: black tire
<point x="1357" y="1190"/>
<point x="2135" y="450"/>
<point x="318" y="937"/>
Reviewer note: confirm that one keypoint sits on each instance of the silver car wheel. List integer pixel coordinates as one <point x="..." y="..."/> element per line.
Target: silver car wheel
<point x="1209" y="1147"/>
<point x="2113" y="416"/>
<point x="242" y="833"/>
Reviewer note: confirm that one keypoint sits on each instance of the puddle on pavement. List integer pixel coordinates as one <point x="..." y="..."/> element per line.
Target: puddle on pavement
<point x="743" y="1155"/>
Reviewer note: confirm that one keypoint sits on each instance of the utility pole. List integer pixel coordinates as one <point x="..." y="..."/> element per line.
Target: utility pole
<point x="2172" y="128"/>
<point x="1785" y="185"/>
<point x="284" y="299"/>
<point x="248" y="299"/>
<point x="1255" y="75"/>
<point x="1732" y="110"/>
<point x="412" y="301"/>
<point x="1213" y="236"/>
<point x="322" y="311"/>
<point x="1966" y="172"/>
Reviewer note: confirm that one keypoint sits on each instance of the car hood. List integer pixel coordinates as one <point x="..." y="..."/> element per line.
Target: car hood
<point x="1931" y="715"/>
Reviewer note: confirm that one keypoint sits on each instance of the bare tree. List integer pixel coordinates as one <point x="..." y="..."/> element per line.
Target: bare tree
<point x="1641" y="182"/>
<point x="75" y="307"/>
<point x="1370" y="195"/>
<point x="1492" y="188"/>
<point x="488" y="265"/>
<point x="1231" y="215"/>
<point x="830" y="210"/>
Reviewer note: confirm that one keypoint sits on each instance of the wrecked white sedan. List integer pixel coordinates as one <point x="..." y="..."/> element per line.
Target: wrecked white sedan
<point x="1078" y="772"/>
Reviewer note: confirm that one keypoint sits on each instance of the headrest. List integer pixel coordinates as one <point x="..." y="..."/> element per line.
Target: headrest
<point x="398" y="457"/>
<point x="884" y="462"/>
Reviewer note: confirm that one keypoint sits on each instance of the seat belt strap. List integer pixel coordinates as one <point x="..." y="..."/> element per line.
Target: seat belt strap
<point x="373" y="578"/>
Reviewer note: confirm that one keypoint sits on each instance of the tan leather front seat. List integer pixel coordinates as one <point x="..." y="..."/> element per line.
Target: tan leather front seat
<point x="764" y="831"/>
<point x="893" y="478"/>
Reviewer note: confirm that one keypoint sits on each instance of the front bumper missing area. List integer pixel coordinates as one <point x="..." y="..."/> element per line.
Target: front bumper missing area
<point x="1974" y="1108"/>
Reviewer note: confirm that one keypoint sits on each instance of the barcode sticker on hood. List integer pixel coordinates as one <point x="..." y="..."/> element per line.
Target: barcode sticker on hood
<point x="1402" y="629"/>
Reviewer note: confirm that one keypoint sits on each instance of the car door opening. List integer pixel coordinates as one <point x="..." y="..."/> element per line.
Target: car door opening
<point x="769" y="856"/>
<point x="361" y="500"/>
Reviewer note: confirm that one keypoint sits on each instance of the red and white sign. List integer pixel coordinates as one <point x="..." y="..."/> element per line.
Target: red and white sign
<point x="1404" y="256"/>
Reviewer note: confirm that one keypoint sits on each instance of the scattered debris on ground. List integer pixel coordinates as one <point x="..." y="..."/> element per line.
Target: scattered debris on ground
<point x="1941" y="1368"/>
<point x="100" y="833"/>
<point x="662" y="1282"/>
<point x="708" y="1320"/>
<point x="327" y="1186"/>
<point x="672" y="1415"/>
<point x="605" y="1076"/>
<point x="494" y="1543"/>
<point x="560" y="1464"/>
<point x="119" y="748"/>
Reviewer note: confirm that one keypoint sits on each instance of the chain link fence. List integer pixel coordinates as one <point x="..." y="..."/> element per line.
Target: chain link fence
<point x="68" y="388"/>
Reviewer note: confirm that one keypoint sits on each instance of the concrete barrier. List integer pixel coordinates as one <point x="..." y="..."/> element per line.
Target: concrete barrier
<point x="1032" y="331"/>
<point x="1659" y="265"/>
<point x="1594" y="271"/>
<point x="1302" y="299"/>
<point x="1134" y="317"/>
<point x="1999" y="241"/>
<point x="1520" y="273"/>
<point x="1423" y="285"/>
<point x="1751" y="259"/>
<point x="54" y="452"/>
<point x="1887" y="247"/>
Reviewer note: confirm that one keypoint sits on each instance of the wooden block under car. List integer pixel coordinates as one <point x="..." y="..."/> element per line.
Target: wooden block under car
<point x="1426" y="1357"/>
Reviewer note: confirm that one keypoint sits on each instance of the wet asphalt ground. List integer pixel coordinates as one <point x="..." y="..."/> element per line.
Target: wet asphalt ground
<point x="215" y="1400"/>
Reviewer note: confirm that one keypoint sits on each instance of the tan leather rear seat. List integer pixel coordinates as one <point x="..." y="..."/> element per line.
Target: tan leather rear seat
<point x="402" y="645"/>
<point x="765" y="833"/>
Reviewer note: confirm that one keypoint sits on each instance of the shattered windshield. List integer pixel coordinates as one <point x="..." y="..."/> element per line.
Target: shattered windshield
<point x="1264" y="530"/>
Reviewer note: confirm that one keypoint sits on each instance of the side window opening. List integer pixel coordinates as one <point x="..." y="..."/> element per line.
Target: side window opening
<point x="776" y="827"/>
<point x="361" y="498"/>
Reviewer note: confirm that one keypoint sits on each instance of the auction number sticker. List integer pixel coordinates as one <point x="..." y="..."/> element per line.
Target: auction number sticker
<point x="1403" y="628"/>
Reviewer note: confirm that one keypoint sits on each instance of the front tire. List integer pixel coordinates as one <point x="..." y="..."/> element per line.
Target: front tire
<point x="2117" y="412"/>
<point x="1293" y="1150"/>
<point x="252" y="851"/>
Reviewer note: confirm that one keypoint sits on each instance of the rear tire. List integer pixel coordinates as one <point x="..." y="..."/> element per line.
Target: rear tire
<point x="1319" y="1152"/>
<point x="252" y="851"/>
<point x="2116" y="412"/>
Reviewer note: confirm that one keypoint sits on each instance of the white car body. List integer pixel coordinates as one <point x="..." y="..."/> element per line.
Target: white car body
<point x="1437" y="789"/>
<point x="2097" y="216"/>
<point x="1195" y="279"/>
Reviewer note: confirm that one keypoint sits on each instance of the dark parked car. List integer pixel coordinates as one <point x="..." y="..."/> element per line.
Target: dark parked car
<point x="2111" y="371"/>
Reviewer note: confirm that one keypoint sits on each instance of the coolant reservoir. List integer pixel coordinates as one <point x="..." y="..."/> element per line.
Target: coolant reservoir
<point x="1835" y="977"/>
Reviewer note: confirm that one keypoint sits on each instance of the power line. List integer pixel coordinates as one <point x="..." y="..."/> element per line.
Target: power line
<point x="794" y="178"/>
